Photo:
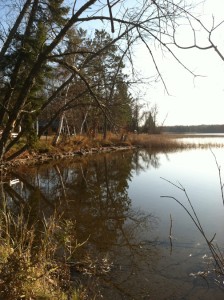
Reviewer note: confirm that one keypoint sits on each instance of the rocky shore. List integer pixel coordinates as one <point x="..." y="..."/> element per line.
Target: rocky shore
<point x="40" y="158"/>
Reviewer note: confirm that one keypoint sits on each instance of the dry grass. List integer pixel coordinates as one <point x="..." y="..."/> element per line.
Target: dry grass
<point x="155" y="142"/>
<point x="79" y="142"/>
<point x="169" y="142"/>
<point x="37" y="258"/>
<point x="159" y="141"/>
<point x="28" y="265"/>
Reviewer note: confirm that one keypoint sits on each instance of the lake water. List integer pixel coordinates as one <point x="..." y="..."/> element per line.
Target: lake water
<point x="116" y="202"/>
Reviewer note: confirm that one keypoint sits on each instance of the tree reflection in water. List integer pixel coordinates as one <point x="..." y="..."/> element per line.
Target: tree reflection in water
<point x="93" y="193"/>
<point x="143" y="160"/>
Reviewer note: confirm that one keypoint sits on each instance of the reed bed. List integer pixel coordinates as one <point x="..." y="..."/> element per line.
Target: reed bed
<point x="170" y="142"/>
<point x="155" y="142"/>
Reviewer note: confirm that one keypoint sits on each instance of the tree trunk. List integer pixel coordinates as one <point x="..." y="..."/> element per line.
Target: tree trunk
<point x="105" y="128"/>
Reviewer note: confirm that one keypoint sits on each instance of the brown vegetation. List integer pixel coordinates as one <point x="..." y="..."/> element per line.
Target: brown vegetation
<point x="156" y="142"/>
<point x="28" y="269"/>
<point x="37" y="258"/>
<point x="81" y="144"/>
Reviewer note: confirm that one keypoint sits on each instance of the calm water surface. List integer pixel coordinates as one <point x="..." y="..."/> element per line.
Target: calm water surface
<point x="117" y="204"/>
<point x="201" y="139"/>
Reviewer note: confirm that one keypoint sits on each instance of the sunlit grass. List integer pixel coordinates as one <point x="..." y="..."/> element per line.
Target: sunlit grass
<point x="38" y="254"/>
<point x="150" y="141"/>
<point x="29" y="266"/>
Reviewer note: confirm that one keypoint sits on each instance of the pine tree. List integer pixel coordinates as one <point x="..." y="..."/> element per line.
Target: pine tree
<point x="27" y="44"/>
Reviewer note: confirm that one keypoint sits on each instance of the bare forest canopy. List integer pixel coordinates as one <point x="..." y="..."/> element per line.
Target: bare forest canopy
<point x="55" y="71"/>
<point x="194" y="129"/>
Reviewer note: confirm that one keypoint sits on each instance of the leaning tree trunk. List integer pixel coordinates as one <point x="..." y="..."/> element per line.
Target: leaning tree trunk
<point x="56" y="139"/>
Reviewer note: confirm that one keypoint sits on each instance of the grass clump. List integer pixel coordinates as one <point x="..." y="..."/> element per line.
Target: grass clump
<point x="43" y="147"/>
<point x="30" y="267"/>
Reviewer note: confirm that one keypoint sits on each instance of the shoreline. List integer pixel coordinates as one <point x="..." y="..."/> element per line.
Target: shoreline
<point x="83" y="146"/>
<point x="38" y="159"/>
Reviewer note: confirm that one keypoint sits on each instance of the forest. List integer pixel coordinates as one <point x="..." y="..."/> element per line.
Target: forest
<point x="55" y="75"/>
<point x="70" y="66"/>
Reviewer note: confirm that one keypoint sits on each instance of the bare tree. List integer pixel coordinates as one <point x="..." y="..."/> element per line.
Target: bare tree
<point x="197" y="26"/>
<point x="33" y="47"/>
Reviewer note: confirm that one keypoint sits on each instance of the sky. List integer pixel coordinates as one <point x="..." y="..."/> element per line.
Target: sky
<point x="191" y="100"/>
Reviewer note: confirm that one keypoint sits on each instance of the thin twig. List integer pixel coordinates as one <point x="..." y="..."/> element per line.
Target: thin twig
<point x="220" y="175"/>
<point x="170" y="236"/>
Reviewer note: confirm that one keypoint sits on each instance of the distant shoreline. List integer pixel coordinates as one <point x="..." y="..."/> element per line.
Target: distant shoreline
<point x="189" y="129"/>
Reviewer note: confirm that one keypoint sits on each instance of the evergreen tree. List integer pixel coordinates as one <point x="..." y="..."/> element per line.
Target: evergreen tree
<point x="27" y="44"/>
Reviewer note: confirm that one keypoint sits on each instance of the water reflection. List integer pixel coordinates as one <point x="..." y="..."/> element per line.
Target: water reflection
<point x="115" y="205"/>
<point x="143" y="160"/>
<point x="94" y="194"/>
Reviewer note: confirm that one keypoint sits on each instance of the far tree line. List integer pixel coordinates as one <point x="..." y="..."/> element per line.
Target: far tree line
<point x="194" y="129"/>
